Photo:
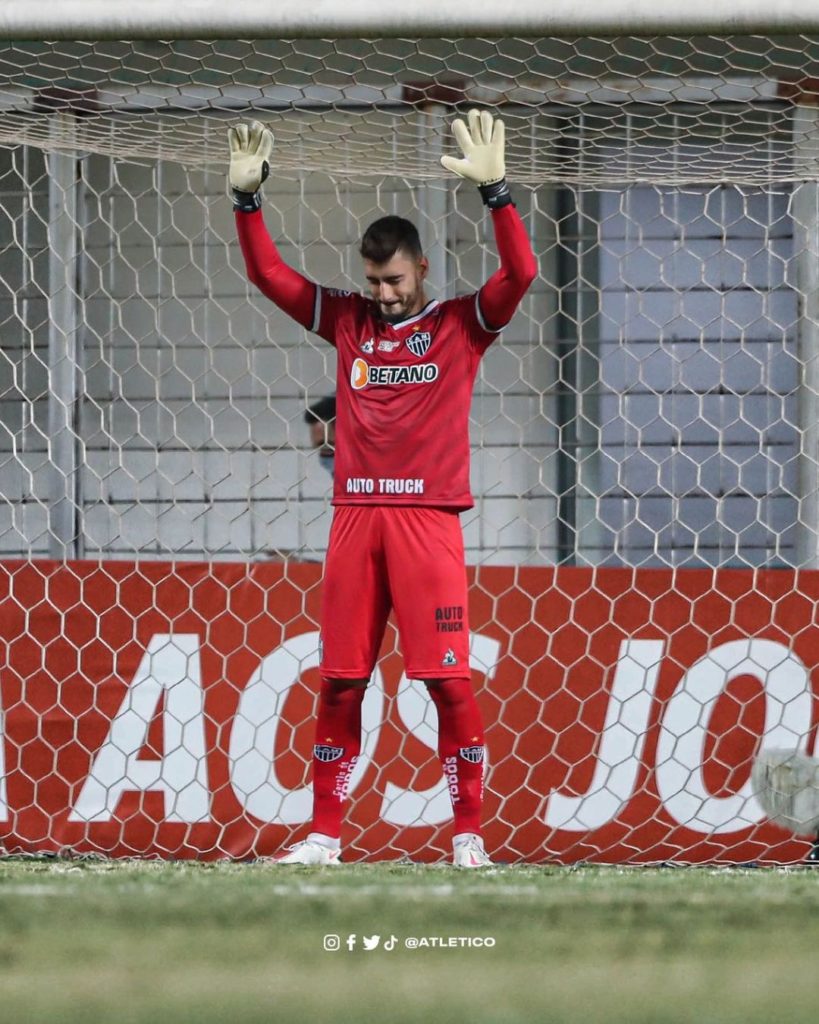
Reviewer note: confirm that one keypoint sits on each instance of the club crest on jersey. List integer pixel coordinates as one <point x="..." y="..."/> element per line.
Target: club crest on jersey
<point x="325" y="753"/>
<point x="472" y="754"/>
<point x="419" y="343"/>
<point x="368" y="346"/>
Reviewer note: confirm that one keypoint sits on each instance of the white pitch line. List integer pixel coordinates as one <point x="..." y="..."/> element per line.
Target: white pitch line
<point x="35" y="890"/>
<point x="405" y="891"/>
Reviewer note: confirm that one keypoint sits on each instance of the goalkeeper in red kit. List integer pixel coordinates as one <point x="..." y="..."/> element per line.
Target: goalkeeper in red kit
<point x="406" y="367"/>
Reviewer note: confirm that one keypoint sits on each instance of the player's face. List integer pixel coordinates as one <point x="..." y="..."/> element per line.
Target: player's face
<point x="397" y="286"/>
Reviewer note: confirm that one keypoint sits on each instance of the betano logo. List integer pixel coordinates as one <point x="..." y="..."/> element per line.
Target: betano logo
<point x="363" y="374"/>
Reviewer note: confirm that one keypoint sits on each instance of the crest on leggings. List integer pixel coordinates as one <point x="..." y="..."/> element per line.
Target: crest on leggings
<point x="472" y="754"/>
<point x="322" y="752"/>
<point x="419" y="343"/>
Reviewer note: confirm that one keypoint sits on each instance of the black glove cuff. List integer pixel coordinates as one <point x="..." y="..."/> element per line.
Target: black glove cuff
<point x="247" y="202"/>
<point x="496" y="195"/>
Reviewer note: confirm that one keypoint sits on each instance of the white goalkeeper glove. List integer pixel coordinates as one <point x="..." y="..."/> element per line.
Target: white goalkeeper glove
<point x="483" y="146"/>
<point x="250" y="149"/>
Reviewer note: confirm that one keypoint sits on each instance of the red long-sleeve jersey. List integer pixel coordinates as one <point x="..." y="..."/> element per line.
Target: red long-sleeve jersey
<point x="403" y="390"/>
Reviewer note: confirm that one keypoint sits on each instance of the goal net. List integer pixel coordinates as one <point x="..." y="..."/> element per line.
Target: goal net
<point x="646" y="439"/>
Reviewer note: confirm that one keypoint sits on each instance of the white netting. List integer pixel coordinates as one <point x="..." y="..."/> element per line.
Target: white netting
<point x="666" y="110"/>
<point x="653" y="406"/>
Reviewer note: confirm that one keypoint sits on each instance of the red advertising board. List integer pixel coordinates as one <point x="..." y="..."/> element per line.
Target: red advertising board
<point x="166" y="709"/>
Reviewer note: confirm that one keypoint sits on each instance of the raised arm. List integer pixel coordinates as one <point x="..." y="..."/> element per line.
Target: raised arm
<point x="250" y="149"/>
<point x="483" y="146"/>
<point x="502" y="293"/>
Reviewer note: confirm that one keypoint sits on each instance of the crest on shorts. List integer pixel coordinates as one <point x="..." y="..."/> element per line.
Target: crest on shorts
<point x="472" y="754"/>
<point x="323" y="752"/>
<point x="419" y="343"/>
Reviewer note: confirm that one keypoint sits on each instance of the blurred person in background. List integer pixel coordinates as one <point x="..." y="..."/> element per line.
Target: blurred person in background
<point x="321" y="419"/>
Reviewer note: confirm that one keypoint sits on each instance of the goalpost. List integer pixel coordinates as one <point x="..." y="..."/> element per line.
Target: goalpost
<point x="646" y="433"/>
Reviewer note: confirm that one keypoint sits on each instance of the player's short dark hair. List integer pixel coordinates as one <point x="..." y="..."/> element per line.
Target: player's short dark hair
<point x="322" y="411"/>
<point x="385" y="236"/>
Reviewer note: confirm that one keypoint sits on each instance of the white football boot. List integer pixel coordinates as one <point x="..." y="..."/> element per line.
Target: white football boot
<point x="309" y="851"/>
<point x="468" y="852"/>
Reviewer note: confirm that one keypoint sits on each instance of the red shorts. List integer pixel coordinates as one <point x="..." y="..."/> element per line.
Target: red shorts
<point x="407" y="558"/>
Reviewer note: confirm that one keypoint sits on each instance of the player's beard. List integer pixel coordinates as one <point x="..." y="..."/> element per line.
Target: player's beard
<point x="408" y="307"/>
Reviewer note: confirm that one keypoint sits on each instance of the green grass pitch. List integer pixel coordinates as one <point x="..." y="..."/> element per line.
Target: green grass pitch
<point x="128" y="942"/>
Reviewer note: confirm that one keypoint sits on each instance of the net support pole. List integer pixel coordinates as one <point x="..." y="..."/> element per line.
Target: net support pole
<point x="805" y="215"/>
<point x="588" y="524"/>
<point x="433" y="203"/>
<point x="63" y="367"/>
